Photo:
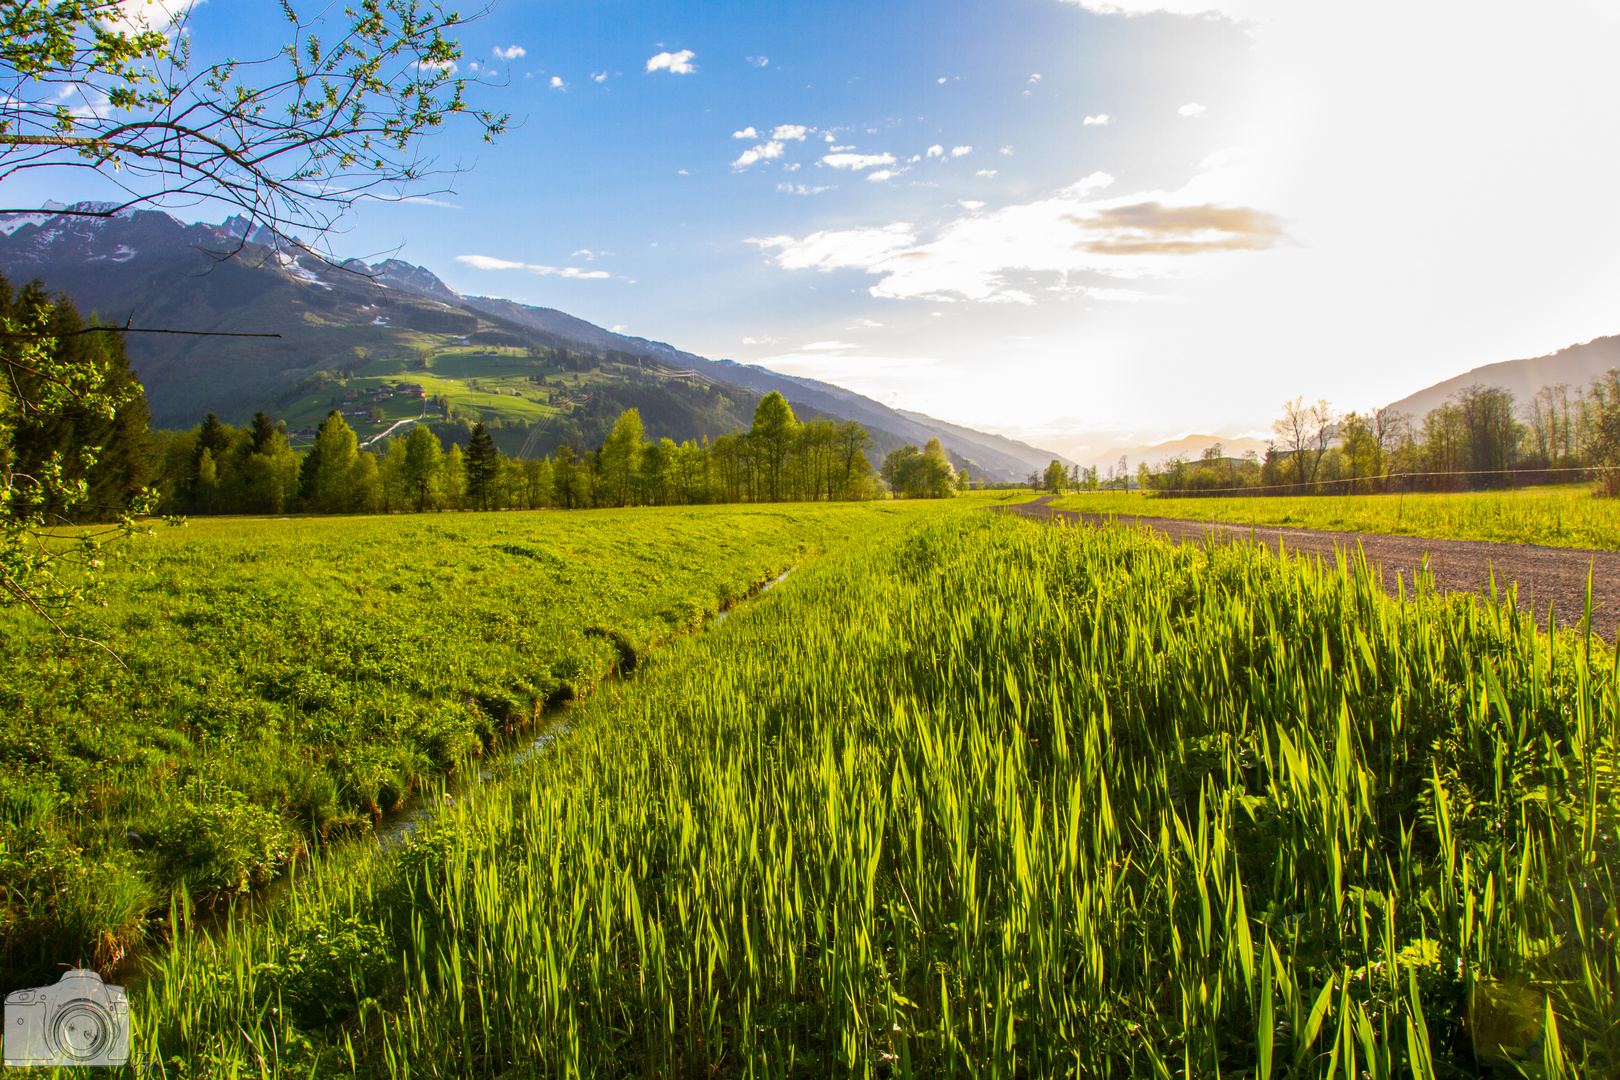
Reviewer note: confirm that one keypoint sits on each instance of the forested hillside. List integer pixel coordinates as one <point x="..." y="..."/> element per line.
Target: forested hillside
<point x="346" y="330"/>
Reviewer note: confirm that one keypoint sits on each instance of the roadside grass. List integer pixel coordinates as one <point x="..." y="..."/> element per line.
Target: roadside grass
<point x="268" y="682"/>
<point x="1567" y="516"/>
<point x="974" y="796"/>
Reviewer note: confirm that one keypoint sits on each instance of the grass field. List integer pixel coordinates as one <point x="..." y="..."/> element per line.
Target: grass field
<point x="1560" y="517"/>
<point x="265" y="682"/>
<point x="969" y="795"/>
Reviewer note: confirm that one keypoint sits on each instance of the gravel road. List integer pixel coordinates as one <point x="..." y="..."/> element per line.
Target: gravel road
<point x="1546" y="576"/>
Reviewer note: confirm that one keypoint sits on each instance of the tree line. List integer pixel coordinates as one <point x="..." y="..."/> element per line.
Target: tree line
<point x="215" y="469"/>
<point x="1481" y="437"/>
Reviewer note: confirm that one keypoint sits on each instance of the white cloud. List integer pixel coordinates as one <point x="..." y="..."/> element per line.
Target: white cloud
<point x="678" y="63"/>
<point x="1100" y="120"/>
<point x="511" y="52"/>
<point x="840" y="149"/>
<point x="790" y="131"/>
<point x="557" y="83"/>
<point x="599" y="76"/>
<point x="1007" y="150"/>
<point x="958" y="151"/>
<point x="1192" y="108"/>
<point x="1071" y="237"/>
<point x="941" y="79"/>
<point x="486" y="262"/>
<point x="792" y="166"/>
<point x="987" y="173"/>
<point x="803" y="189"/>
<point x="682" y="172"/>
<point x="828" y="346"/>
<point x="425" y="67"/>
<point x="758" y="153"/>
<point x="745" y="133"/>
<point x="970" y="204"/>
<point x="829" y="136"/>
<point x="759" y="61"/>
<point x="830" y="250"/>
<point x="1034" y="78"/>
<point x="858" y="161"/>
<point x="936" y="151"/>
<point x="882" y="174"/>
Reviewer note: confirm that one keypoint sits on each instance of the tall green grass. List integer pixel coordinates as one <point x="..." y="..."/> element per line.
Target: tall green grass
<point x="1574" y="517"/>
<point x="263" y="683"/>
<point x="971" y="796"/>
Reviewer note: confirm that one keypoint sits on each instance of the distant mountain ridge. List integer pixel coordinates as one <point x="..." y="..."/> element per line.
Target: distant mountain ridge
<point x="1576" y="366"/>
<point x="232" y="278"/>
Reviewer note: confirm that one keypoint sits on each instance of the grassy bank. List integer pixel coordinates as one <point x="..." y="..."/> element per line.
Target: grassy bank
<point x="269" y="682"/>
<point x="1559" y="517"/>
<point x="973" y="796"/>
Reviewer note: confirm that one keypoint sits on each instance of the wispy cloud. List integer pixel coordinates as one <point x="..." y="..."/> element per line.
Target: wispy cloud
<point x="487" y="262"/>
<point x="803" y="189"/>
<point x="511" y="52"/>
<point x="1007" y="150"/>
<point x="758" y="153"/>
<point x="676" y="63"/>
<point x="759" y="61"/>
<point x="858" y="162"/>
<point x="1100" y="120"/>
<point x="986" y="173"/>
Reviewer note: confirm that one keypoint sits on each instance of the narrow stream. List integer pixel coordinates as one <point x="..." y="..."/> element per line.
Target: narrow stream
<point x="398" y="826"/>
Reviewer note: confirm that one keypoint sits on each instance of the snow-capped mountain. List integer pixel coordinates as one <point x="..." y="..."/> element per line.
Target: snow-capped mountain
<point x="150" y="267"/>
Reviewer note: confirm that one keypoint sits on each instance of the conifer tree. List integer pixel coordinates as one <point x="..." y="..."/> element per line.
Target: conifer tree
<point x="483" y="465"/>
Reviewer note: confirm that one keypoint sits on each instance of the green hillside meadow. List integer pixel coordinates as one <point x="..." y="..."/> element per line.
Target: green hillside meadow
<point x="964" y="795"/>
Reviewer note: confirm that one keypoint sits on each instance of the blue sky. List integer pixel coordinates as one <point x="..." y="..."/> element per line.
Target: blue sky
<point x="1084" y="223"/>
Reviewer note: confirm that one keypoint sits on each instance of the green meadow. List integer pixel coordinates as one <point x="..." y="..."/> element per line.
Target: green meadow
<point x="1573" y="517"/>
<point x="964" y="795"/>
<point x="255" y="688"/>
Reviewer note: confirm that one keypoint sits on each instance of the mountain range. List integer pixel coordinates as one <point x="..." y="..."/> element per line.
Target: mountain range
<point x="152" y="270"/>
<point x="337" y="319"/>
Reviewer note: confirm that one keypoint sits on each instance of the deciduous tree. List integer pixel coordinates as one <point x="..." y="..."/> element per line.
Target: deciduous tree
<point x="773" y="432"/>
